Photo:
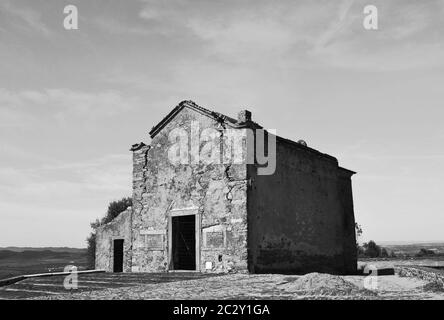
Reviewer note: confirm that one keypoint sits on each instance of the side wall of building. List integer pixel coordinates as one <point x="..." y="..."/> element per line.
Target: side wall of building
<point x="346" y="194"/>
<point x="119" y="228"/>
<point x="300" y="218"/>
<point x="215" y="192"/>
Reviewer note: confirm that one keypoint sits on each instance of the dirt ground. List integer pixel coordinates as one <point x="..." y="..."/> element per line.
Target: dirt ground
<point x="183" y="286"/>
<point x="244" y="286"/>
<point x="402" y="262"/>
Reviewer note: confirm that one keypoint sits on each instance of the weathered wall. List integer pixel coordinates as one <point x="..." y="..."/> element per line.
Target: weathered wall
<point x="349" y="236"/>
<point x="218" y="192"/>
<point x="298" y="219"/>
<point x="118" y="228"/>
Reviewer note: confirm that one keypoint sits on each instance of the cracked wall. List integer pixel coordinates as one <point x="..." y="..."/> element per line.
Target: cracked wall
<point x="118" y="228"/>
<point x="217" y="191"/>
<point x="300" y="219"/>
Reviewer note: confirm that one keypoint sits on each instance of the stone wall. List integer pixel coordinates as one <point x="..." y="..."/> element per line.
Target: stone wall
<point x="428" y="274"/>
<point x="299" y="219"/>
<point x="349" y="233"/>
<point x="118" y="228"/>
<point x="216" y="192"/>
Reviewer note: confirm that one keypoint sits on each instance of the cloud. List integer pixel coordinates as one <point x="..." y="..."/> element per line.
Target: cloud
<point x="117" y="27"/>
<point x="306" y="33"/>
<point x="60" y="104"/>
<point x="337" y="26"/>
<point x="44" y="225"/>
<point x="108" y="176"/>
<point x="54" y="201"/>
<point x="406" y="39"/>
<point x="19" y="155"/>
<point x="108" y="173"/>
<point x="13" y="118"/>
<point x="244" y="32"/>
<point x="23" y="18"/>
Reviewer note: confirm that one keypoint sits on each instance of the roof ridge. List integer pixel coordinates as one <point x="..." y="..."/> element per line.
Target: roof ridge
<point x="190" y="104"/>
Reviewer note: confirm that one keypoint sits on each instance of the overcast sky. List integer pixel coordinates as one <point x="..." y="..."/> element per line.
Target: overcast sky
<point x="73" y="102"/>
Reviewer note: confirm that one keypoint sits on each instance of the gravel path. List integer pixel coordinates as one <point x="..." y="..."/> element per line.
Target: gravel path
<point x="274" y="286"/>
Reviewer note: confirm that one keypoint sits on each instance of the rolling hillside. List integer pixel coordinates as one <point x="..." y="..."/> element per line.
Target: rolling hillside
<point x="20" y="261"/>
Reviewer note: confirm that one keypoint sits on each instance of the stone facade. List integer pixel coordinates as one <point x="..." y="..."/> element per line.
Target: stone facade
<point x="299" y="219"/>
<point x="119" y="228"/>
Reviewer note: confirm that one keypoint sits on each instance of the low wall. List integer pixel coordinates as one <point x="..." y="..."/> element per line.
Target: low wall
<point x="119" y="228"/>
<point x="424" y="273"/>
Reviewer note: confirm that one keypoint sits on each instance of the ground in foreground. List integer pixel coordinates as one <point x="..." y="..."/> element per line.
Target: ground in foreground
<point x="230" y="286"/>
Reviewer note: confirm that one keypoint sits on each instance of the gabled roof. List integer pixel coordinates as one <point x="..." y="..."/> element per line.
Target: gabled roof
<point x="193" y="106"/>
<point x="230" y="122"/>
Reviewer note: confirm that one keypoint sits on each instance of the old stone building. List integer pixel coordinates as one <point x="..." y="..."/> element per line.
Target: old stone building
<point x="226" y="216"/>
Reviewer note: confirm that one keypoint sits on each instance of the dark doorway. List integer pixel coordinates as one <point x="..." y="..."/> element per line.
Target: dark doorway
<point x="118" y="255"/>
<point x="184" y="242"/>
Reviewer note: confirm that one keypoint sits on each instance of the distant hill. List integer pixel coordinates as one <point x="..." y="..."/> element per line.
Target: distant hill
<point x="38" y="254"/>
<point x="406" y="243"/>
<point x="53" y="249"/>
<point x="411" y="249"/>
<point x="19" y="261"/>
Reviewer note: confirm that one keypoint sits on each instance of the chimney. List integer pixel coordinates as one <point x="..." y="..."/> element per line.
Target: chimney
<point x="244" y="116"/>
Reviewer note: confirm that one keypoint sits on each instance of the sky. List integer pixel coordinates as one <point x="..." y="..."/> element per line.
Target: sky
<point x="72" y="102"/>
